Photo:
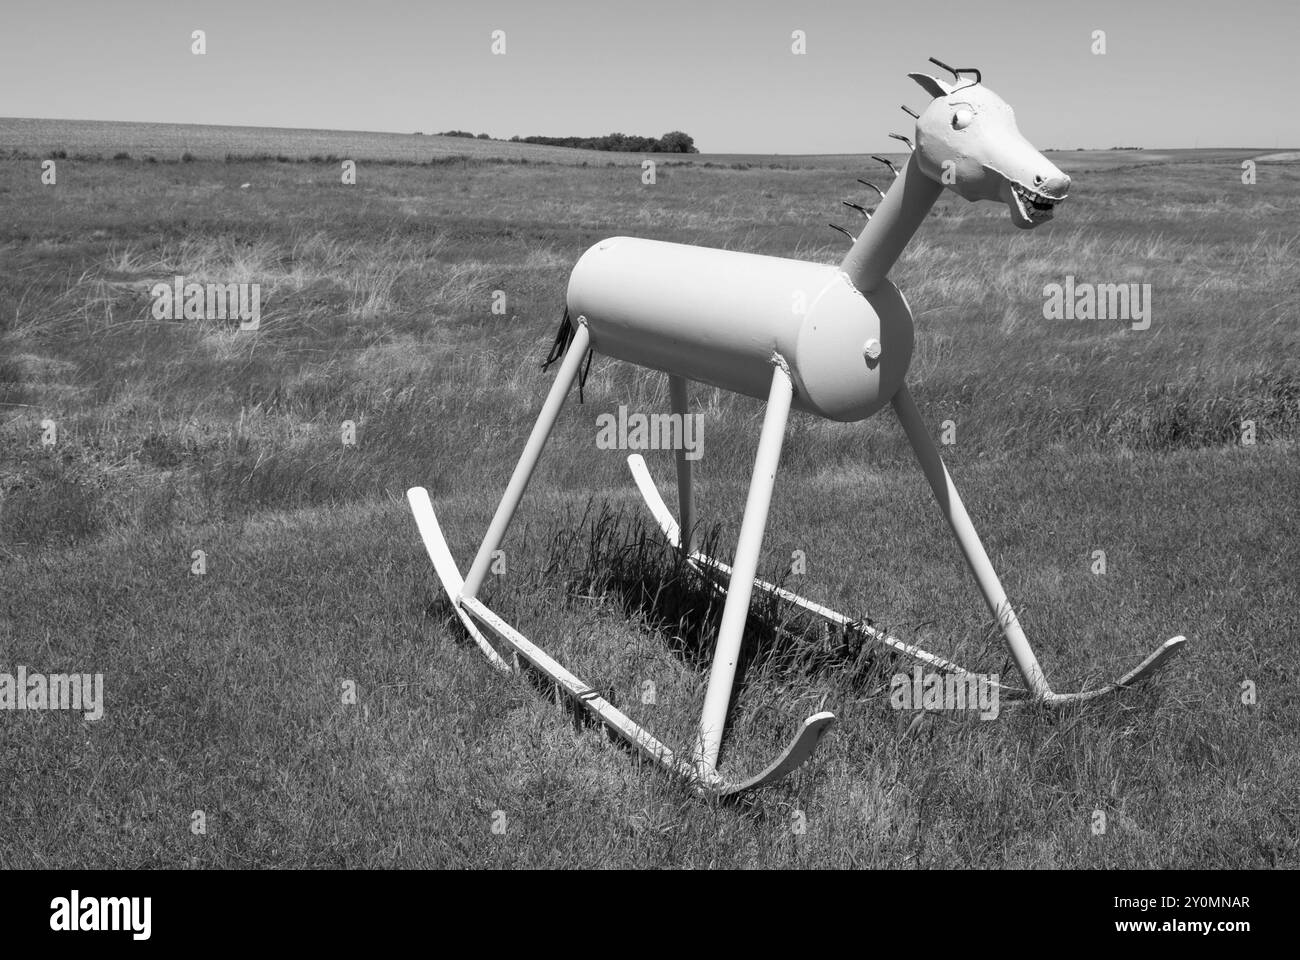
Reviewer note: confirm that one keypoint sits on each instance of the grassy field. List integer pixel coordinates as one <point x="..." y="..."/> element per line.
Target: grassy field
<point x="225" y="692"/>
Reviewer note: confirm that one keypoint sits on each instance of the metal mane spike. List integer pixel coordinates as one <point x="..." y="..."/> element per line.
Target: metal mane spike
<point x="892" y="169"/>
<point x="910" y="112"/>
<point x="836" y="226"/>
<point x="868" y="183"/>
<point x="899" y="136"/>
<point x="858" y="207"/>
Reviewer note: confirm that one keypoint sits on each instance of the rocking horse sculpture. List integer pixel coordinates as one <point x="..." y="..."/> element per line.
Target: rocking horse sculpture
<point x="831" y="341"/>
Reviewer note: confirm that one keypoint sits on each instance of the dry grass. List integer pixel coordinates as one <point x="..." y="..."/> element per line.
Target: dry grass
<point x="224" y="690"/>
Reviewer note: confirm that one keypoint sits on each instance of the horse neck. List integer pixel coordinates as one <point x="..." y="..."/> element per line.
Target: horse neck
<point x="906" y="204"/>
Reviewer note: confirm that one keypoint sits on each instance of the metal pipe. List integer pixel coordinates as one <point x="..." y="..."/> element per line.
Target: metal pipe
<point x="528" y="459"/>
<point x="891" y="227"/>
<point x="717" y="316"/>
<point x="955" y="513"/>
<point x="736" y="609"/>
<point x="685" y="491"/>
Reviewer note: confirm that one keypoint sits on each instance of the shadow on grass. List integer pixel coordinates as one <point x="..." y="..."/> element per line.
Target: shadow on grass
<point x="616" y="557"/>
<point x="612" y="555"/>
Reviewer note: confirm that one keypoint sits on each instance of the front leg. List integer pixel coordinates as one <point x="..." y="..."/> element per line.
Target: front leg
<point x="736" y="609"/>
<point x="955" y="513"/>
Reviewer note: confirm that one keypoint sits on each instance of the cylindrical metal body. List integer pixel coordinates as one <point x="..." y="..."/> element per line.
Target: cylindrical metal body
<point x="719" y="316"/>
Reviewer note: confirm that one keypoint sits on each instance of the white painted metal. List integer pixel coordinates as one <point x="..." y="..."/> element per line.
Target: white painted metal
<point x="718" y="316"/>
<point x="832" y="341"/>
<point x="707" y="565"/>
<point x="707" y="781"/>
<point x="795" y="755"/>
<point x="735" y="610"/>
<point x="1170" y="648"/>
<point x="905" y="205"/>
<point x="955" y="513"/>
<point x="527" y="461"/>
<point x="445" y="567"/>
<point x="685" y="483"/>
<point x="612" y="717"/>
<point x="967" y="138"/>
<point x="474" y="613"/>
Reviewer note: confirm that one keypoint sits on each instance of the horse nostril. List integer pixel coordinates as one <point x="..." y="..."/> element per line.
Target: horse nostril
<point x="1058" y="186"/>
<point x="1038" y="181"/>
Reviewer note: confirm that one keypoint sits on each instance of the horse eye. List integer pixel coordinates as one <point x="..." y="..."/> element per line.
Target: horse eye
<point x="962" y="119"/>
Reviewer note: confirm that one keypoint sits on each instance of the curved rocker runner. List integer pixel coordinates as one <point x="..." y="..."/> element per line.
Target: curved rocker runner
<point x="833" y="341"/>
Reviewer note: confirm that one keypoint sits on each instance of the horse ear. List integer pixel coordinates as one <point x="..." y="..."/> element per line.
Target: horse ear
<point x="932" y="85"/>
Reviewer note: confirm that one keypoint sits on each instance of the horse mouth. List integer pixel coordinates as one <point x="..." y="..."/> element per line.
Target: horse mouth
<point x="1029" y="207"/>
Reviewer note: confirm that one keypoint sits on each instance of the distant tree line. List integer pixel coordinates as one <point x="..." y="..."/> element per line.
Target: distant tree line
<point x="673" y="142"/>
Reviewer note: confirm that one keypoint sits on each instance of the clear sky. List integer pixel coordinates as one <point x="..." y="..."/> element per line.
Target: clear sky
<point x="1176" y="73"/>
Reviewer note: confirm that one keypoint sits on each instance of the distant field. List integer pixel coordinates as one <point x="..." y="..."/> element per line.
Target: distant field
<point x="223" y="690"/>
<point x="169" y="141"/>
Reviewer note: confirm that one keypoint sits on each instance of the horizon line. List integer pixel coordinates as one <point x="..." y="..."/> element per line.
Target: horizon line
<point x="490" y="139"/>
